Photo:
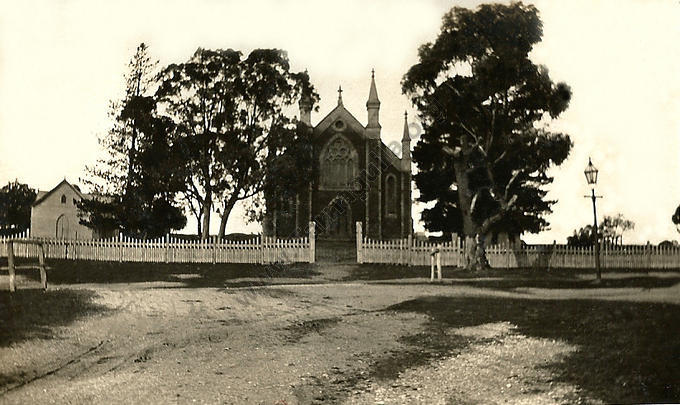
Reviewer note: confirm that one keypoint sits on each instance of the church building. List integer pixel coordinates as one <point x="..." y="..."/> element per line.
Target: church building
<point x="358" y="179"/>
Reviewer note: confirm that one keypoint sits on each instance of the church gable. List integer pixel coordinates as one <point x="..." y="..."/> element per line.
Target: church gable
<point x="340" y="118"/>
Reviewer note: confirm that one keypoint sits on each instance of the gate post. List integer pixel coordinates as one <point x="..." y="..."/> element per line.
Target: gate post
<point x="312" y="241"/>
<point x="359" y="236"/>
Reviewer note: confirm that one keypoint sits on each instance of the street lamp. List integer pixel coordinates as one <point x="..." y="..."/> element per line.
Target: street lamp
<point x="591" y="178"/>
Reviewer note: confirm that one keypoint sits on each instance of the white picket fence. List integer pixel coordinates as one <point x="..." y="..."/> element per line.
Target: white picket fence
<point x="418" y="253"/>
<point x="171" y="250"/>
<point x="408" y="252"/>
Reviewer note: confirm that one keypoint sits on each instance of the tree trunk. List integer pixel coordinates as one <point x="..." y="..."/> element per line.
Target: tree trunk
<point x="225" y="217"/>
<point x="475" y="248"/>
<point x="475" y="253"/>
<point x="207" y="207"/>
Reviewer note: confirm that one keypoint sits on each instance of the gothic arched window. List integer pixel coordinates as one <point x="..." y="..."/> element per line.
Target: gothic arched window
<point x="391" y="194"/>
<point x="63" y="199"/>
<point x="339" y="164"/>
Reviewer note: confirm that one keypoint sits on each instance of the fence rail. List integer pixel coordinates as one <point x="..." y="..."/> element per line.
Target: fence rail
<point x="418" y="253"/>
<point x="259" y="249"/>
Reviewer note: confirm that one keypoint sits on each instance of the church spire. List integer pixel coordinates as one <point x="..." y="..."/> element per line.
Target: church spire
<point x="339" y="95"/>
<point x="406" y="135"/>
<point x="373" y="108"/>
<point x="406" y="146"/>
<point x="373" y="93"/>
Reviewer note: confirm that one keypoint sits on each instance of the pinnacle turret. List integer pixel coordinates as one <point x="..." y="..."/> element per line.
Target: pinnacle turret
<point x="373" y="108"/>
<point x="373" y="93"/>
<point x="406" y="136"/>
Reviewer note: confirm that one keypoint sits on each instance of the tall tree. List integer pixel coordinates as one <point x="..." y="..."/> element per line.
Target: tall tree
<point x="233" y="119"/>
<point x="15" y="207"/>
<point x="200" y="96"/>
<point x="485" y="109"/>
<point x="583" y="237"/>
<point x="613" y="228"/>
<point x="610" y="232"/>
<point x="286" y="176"/>
<point x="135" y="184"/>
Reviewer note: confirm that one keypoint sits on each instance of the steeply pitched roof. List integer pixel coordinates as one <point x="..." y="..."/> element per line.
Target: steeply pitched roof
<point x="339" y="112"/>
<point x="42" y="197"/>
<point x="391" y="156"/>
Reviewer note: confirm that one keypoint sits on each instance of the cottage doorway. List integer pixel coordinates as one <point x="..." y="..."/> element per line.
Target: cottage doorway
<point x="62" y="227"/>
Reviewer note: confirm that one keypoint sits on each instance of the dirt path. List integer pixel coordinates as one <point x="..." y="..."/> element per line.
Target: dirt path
<point x="320" y="343"/>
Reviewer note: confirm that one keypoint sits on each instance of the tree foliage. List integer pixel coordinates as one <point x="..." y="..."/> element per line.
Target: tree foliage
<point x="485" y="108"/>
<point x="676" y="218"/>
<point x="583" y="237"/>
<point x="610" y="232"/>
<point x="15" y="207"/>
<point x="232" y="118"/>
<point x="287" y="175"/>
<point x="136" y="185"/>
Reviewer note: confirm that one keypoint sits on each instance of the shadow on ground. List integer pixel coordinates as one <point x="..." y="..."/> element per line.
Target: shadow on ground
<point x="628" y="352"/>
<point x="573" y="282"/>
<point x="191" y="275"/>
<point x="33" y="313"/>
<point x="504" y="279"/>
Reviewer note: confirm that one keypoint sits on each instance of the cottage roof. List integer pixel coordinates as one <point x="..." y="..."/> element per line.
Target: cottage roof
<point x="42" y="196"/>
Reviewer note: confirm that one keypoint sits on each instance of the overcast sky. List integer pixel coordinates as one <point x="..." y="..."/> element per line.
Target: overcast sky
<point x="62" y="61"/>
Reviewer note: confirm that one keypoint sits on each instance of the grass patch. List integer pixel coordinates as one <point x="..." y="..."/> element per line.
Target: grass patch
<point x="369" y="272"/>
<point x="31" y="313"/>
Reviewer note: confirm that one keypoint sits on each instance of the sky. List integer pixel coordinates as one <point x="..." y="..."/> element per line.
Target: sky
<point x="62" y="61"/>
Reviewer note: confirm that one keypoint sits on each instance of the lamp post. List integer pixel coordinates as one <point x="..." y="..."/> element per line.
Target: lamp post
<point x="591" y="178"/>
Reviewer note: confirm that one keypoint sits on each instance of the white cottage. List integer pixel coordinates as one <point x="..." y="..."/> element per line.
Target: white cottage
<point x="54" y="214"/>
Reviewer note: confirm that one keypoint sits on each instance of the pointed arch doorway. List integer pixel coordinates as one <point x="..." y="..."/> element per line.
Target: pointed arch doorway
<point x="338" y="220"/>
<point x="62" y="230"/>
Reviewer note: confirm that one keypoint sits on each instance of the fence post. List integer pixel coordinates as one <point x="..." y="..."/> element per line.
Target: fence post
<point x="214" y="249"/>
<point x="410" y="249"/>
<point x="431" y="264"/>
<point x="10" y="265"/>
<point x="439" y="263"/>
<point x="312" y="242"/>
<point x="120" y="247"/>
<point x="43" y="273"/>
<point x="648" y="254"/>
<point x="167" y="247"/>
<point x="552" y="254"/>
<point x="359" y="237"/>
<point x="401" y="251"/>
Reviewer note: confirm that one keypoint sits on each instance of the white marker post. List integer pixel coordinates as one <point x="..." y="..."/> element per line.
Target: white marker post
<point x="434" y="251"/>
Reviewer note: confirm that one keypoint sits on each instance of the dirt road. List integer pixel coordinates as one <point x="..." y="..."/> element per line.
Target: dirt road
<point x="359" y="342"/>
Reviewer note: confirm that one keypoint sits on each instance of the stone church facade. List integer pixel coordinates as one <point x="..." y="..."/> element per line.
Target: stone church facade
<point x="358" y="179"/>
